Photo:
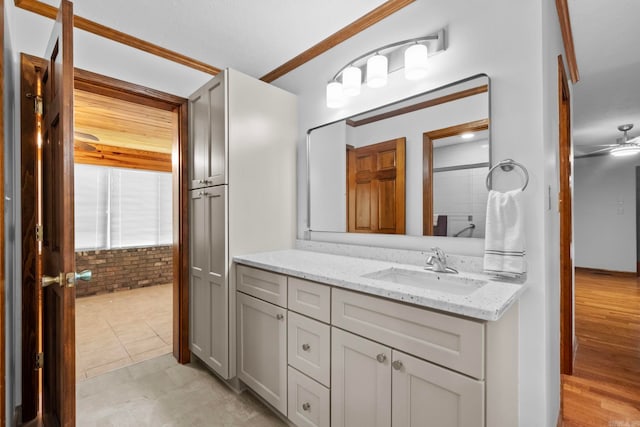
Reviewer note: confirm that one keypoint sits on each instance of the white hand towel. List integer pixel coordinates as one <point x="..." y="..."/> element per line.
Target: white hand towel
<point x="504" y="245"/>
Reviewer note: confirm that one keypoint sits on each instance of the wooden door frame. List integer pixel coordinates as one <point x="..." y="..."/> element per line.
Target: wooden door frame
<point x="427" y="165"/>
<point x="107" y="86"/>
<point x="566" y="231"/>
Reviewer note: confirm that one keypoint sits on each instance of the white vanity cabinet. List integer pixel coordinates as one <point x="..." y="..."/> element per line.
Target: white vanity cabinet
<point x="372" y="361"/>
<point x="262" y="343"/>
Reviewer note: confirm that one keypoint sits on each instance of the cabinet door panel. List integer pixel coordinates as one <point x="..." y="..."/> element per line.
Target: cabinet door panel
<point x="207" y="134"/>
<point x="217" y="149"/>
<point x="428" y="395"/>
<point x="217" y="272"/>
<point x="360" y="383"/>
<point x="200" y="291"/>
<point x="262" y="348"/>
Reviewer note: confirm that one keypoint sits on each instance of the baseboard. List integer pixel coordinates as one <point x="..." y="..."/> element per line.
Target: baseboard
<point x="606" y="272"/>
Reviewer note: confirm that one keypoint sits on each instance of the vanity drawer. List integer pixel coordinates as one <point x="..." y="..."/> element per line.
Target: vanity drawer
<point x="310" y="298"/>
<point x="309" y="347"/>
<point x="448" y="341"/>
<point x="267" y="286"/>
<point x="308" y="401"/>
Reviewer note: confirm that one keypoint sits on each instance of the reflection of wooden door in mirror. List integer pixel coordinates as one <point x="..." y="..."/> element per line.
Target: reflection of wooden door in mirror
<point x="376" y="188"/>
<point x="428" y="138"/>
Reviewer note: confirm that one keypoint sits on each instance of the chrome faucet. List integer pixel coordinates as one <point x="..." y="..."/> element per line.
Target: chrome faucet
<point x="438" y="262"/>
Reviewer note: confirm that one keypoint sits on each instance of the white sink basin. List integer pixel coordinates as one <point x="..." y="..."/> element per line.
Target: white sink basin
<point x="440" y="282"/>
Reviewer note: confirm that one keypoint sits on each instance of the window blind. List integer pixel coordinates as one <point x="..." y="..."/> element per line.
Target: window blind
<point x="116" y="208"/>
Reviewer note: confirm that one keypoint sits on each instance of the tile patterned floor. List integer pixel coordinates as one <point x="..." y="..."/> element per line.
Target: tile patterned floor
<point x="121" y="328"/>
<point x="160" y="392"/>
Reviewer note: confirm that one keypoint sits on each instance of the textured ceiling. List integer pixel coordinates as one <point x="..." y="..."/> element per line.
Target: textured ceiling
<point x="606" y="35"/>
<point x="249" y="35"/>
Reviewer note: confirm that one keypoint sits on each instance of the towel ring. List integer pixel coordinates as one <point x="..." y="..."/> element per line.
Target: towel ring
<point x="507" y="165"/>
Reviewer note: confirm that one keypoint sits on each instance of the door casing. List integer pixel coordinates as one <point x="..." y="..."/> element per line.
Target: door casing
<point x="107" y="86"/>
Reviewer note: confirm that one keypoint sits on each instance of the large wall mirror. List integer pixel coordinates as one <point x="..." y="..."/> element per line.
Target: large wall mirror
<point x="416" y="167"/>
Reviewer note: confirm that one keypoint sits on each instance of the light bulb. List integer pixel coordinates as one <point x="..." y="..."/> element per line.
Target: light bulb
<point x="415" y="62"/>
<point x="351" y="81"/>
<point x="377" y="71"/>
<point x="335" y="96"/>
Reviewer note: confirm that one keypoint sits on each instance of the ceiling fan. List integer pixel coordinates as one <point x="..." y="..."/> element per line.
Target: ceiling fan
<point x="624" y="146"/>
<point x="83" y="140"/>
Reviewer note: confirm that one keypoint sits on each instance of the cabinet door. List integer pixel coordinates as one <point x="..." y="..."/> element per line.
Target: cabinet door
<point x="216" y="276"/>
<point x="360" y="381"/>
<point x="207" y="134"/>
<point x="428" y="395"/>
<point x="262" y="349"/>
<point x="200" y="291"/>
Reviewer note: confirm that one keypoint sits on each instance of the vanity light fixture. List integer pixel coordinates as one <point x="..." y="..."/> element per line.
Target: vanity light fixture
<point x="377" y="71"/>
<point x="415" y="62"/>
<point x="411" y="54"/>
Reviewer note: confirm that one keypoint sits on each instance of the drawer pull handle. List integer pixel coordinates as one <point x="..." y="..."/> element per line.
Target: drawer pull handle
<point x="381" y="357"/>
<point x="306" y="347"/>
<point x="279" y="316"/>
<point x="306" y="406"/>
<point x="397" y="365"/>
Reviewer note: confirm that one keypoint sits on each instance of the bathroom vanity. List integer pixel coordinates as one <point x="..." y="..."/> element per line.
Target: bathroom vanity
<point x="335" y="340"/>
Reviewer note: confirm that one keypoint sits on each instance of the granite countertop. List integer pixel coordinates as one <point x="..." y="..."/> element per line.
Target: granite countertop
<point x="489" y="302"/>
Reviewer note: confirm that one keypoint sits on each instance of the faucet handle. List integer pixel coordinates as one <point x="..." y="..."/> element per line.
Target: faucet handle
<point x="439" y="253"/>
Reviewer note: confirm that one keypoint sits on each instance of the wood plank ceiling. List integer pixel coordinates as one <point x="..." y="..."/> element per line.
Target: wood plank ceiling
<point x="114" y="132"/>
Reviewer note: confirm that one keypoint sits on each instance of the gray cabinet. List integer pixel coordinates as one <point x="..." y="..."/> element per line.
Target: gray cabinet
<point x="262" y="349"/>
<point x="242" y="144"/>
<point x="209" y="293"/>
<point x="428" y="395"/>
<point x="207" y="142"/>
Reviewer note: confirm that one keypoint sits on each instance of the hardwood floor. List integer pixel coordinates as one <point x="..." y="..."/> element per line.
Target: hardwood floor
<point x="605" y="387"/>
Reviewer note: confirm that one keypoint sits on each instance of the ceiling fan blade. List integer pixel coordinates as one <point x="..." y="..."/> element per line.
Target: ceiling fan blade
<point x="87" y="136"/>
<point x="85" y="146"/>
<point x="589" y="153"/>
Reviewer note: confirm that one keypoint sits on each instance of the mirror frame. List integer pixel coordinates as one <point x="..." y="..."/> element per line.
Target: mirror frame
<point x="307" y="229"/>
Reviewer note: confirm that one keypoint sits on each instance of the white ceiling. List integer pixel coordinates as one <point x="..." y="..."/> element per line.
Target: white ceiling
<point x="251" y="36"/>
<point x="606" y="36"/>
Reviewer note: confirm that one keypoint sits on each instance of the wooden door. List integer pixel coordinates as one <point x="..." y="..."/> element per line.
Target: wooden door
<point x="428" y="395"/>
<point x="566" y="227"/>
<point x="376" y="188"/>
<point x="58" y="254"/>
<point x="262" y="349"/>
<point x="361" y="381"/>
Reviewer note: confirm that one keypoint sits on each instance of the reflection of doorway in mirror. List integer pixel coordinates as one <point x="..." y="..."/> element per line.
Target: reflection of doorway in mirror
<point x="376" y="188"/>
<point x="455" y="164"/>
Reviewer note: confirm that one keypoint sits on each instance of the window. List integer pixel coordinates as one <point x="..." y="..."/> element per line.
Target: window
<point x="117" y="208"/>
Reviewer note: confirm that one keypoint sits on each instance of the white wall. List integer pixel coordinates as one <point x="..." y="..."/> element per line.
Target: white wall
<point x="327" y="178"/>
<point x="605" y="212"/>
<point x="12" y="245"/>
<point x="516" y="44"/>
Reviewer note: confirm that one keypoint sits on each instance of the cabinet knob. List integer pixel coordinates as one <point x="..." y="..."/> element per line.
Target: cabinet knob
<point x="381" y="357"/>
<point x="306" y="347"/>
<point x="279" y="316"/>
<point x="306" y="406"/>
<point x="397" y="365"/>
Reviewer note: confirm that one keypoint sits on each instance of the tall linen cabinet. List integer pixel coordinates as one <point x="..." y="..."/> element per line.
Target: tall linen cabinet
<point x="242" y="153"/>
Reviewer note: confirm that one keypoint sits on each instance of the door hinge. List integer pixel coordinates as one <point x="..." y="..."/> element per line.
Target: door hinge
<point x="37" y="103"/>
<point x="39" y="360"/>
<point x="39" y="233"/>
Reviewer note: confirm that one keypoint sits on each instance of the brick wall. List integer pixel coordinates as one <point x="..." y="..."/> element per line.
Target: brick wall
<point x="130" y="268"/>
